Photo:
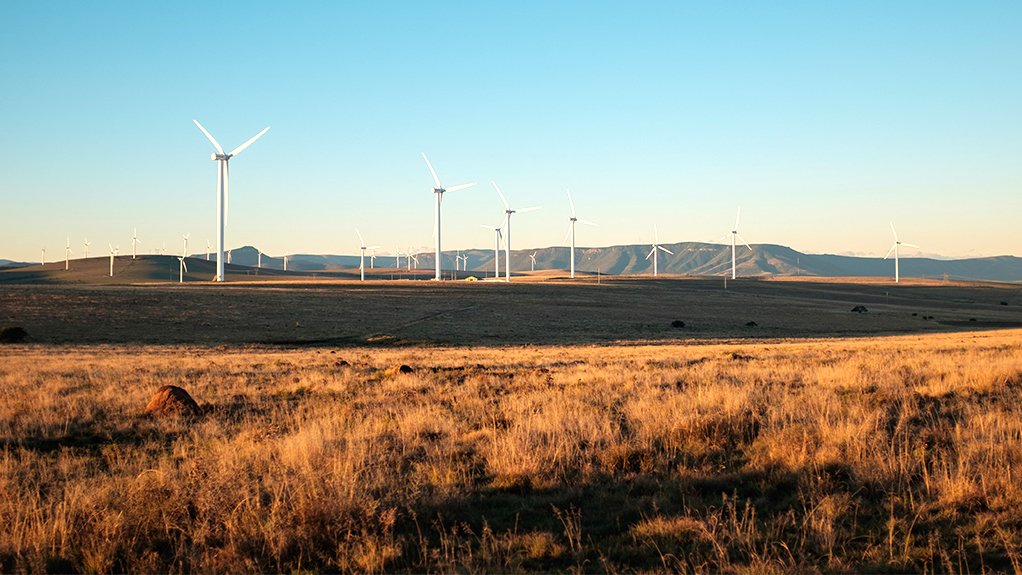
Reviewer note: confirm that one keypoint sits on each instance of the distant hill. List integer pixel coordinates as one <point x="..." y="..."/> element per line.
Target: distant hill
<point x="12" y="264"/>
<point x="689" y="258"/>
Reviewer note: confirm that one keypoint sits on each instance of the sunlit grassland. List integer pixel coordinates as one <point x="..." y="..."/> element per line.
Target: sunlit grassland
<point x="887" y="454"/>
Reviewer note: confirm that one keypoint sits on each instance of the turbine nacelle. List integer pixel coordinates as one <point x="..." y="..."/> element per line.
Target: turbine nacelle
<point x="215" y="156"/>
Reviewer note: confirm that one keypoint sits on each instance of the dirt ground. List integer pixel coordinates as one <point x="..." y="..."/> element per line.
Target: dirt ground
<point x="345" y="313"/>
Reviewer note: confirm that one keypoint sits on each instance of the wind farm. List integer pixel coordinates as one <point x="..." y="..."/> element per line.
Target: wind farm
<point x="567" y="366"/>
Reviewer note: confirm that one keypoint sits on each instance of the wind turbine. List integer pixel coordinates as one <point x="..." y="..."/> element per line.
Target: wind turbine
<point x="462" y="259"/>
<point x="571" y="230"/>
<point x="532" y="257"/>
<point x="507" y="222"/>
<point x="86" y="246"/>
<point x="285" y="263"/>
<point x="372" y="258"/>
<point x="734" y="237"/>
<point x="113" y="254"/>
<point x="182" y="269"/>
<point x="67" y="254"/>
<point x="362" y="255"/>
<point x="496" y="248"/>
<point x="259" y="259"/>
<point x="894" y="248"/>
<point x="207" y="250"/>
<point x="397" y="257"/>
<point x="438" y="191"/>
<point x="134" y="241"/>
<point x="42" y="257"/>
<point x="223" y="195"/>
<point x="228" y="259"/>
<point x="656" y="248"/>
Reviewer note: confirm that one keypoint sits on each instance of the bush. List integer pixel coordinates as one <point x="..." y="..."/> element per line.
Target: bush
<point x="14" y="334"/>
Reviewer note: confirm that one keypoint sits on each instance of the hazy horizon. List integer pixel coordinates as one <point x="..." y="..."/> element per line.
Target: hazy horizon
<point x="822" y="121"/>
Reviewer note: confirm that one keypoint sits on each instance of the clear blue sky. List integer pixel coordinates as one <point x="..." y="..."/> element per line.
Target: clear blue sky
<point x="823" y="120"/>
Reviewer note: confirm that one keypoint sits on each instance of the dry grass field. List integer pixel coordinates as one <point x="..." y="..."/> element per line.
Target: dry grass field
<point x="885" y="454"/>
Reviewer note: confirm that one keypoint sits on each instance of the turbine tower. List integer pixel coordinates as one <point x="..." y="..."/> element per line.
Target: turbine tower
<point x="134" y="241"/>
<point x="438" y="191"/>
<point x="208" y="247"/>
<point x="85" y="245"/>
<point x="67" y="254"/>
<point x="507" y="223"/>
<point x="656" y="248"/>
<point x="894" y="248"/>
<point x="571" y="230"/>
<point x="42" y="257"/>
<point x="734" y="237"/>
<point x="182" y="269"/>
<point x="223" y="190"/>
<point x="362" y="255"/>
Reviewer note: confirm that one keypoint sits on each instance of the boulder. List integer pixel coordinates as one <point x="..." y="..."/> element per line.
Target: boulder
<point x="13" y="334"/>
<point x="172" y="400"/>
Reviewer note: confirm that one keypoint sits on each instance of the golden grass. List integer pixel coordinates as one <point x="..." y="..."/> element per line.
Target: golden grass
<point x="893" y="454"/>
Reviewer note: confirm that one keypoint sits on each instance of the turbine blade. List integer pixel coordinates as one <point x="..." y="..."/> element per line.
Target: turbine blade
<point x="571" y="203"/>
<point x="459" y="187"/>
<point x="250" y="141"/>
<point x="656" y="236"/>
<point x="651" y="252"/>
<point x="529" y="209"/>
<point x="909" y="245"/>
<point x="436" y="178"/>
<point x="662" y="248"/>
<point x="738" y="218"/>
<point x="890" y="251"/>
<point x="894" y="231"/>
<point x="210" y="137"/>
<point x="744" y="242"/>
<point x="501" y="194"/>
<point x="361" y="242"/>
<point x="588" y="223"/>
<point x="568" y="235"/>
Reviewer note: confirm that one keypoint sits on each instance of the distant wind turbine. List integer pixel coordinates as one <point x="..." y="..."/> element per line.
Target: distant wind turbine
<point x="113" y="254"/>
<point x="207" y="250"/>
<point x="362" y="255"/>
<point x="438" y="191"/>
<point x="571" y="230"/>
<point x="259" y="259"/>
<point x="656" y="248"/>
<point x="134" y="241"/>
<point x="532" y="257"/>
<point x="285" y="263"/>
<point x="496" y="247"/>
<point x="182" y="269"/>
<point x="734" y="237"/>
<point x="460" y="259"/>
<point x="894" y="249"/>
<point x="228" y="258"/>
<point x="507" y="223"/>
<point x="372" y="258"/>
<point x="85" y="245"/>
<point x="67" y="254"/>
<point x="42" y="257"/>
<point x="223" y="195"/>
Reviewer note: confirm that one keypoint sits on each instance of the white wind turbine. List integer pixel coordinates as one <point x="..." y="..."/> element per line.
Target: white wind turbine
<point x="656" y="248"/>
<point x="207" y="250"/>
<point x="372" y="258"/>
<point x="438" y="191"/>
<point x="223" y="190"/>
<point x="362" y="255"/>
<point x="285" y="263"/>
<point x="259" y="259"/>
<point x="113" y="254"/>
<point x="532" y="257"/>
<point x="463" y="260"/>
<point x="496" y="247"/>
<point x="42" y="257"/>
<point x="184" y="249"/>
<point x="507" y="223"/>
<point x="397" y="257"/>
<point x="228" y="257"/>
<point x="67" y="254"/>
<point x="182" y="269"/>
<point x="894" y="248"/>
<point x="571" y="230"/>
<point x="134" y="241"/>
<point x="86" y="245"/>
<point x="734" y="237"/>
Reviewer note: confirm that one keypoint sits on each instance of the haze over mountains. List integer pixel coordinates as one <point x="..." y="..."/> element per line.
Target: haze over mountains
<point x="690" y="258"/>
